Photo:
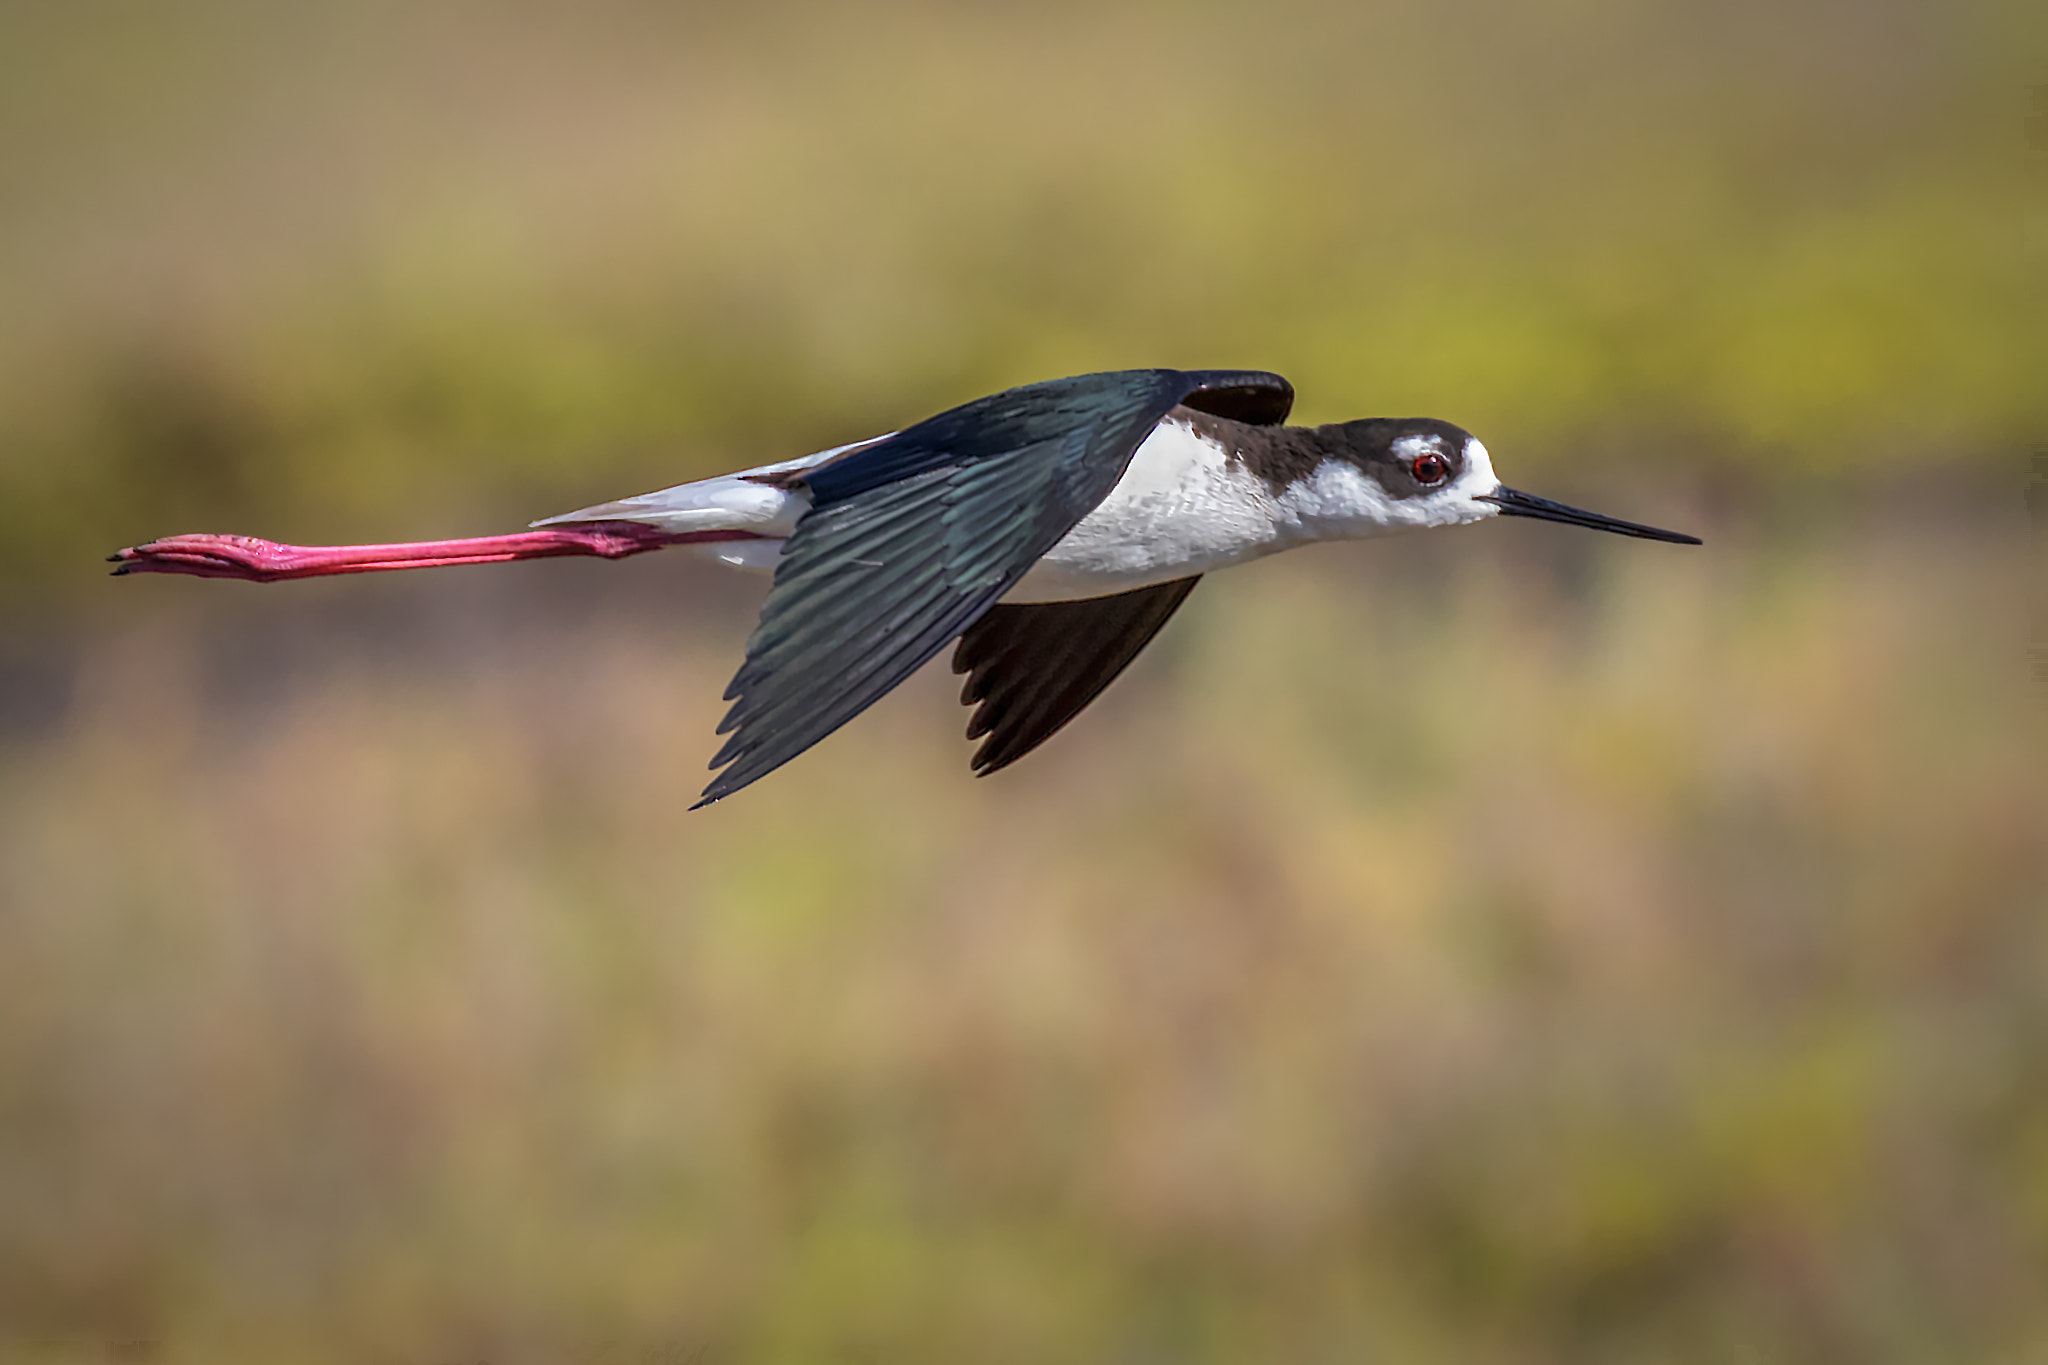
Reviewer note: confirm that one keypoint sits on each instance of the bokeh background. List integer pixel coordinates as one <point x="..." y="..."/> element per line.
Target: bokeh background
<point x="1508" y="945"/>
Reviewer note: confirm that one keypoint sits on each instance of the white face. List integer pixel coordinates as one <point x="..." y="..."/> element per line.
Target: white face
<point x="1457" y="501"/>
<point x="1343" y="500"/>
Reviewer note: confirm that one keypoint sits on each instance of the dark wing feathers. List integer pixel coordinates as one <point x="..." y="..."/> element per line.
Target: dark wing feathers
<point x="1252" y="396"/>
<point x="1035" y="667"/>
<point x="812" y="668"/>
<point x="911" y="538"/>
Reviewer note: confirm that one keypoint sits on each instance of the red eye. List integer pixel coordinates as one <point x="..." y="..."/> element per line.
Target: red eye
<point x="1431" y="470"/>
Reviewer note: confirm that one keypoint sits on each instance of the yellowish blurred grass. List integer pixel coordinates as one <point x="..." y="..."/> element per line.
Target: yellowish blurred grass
<point x="1500" y="947"/>
<point x="355" y="272"/>
<point x="1505" y="949"/>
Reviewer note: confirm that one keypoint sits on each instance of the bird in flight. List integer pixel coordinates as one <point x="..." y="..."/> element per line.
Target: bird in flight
<point x="1050" y="530"/>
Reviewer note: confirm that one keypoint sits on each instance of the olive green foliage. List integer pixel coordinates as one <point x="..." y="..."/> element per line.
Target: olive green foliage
<point x="341" y="274"/>
<point x="1508" y="945"/>
<point x="1431" y="954"/>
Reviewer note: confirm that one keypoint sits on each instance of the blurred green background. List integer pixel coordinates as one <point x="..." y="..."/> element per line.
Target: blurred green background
<point x="1502" y="946"/>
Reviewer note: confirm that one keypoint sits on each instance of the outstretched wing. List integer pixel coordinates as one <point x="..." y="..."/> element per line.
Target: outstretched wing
<point x="1033" y="667"/>
<point x="911" y="538"/>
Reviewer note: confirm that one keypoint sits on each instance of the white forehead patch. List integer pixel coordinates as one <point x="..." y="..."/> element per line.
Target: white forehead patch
<point x="1478" y="468"/>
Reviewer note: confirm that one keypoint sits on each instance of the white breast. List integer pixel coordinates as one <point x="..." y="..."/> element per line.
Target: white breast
<point x="1182" y="507"/>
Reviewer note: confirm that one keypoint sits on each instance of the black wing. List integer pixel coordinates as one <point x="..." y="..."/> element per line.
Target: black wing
<point x="912" y="538"/>
<point x="1033" y="667"/>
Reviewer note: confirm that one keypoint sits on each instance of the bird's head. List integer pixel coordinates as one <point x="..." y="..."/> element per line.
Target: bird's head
<point x="1395" y="473"/>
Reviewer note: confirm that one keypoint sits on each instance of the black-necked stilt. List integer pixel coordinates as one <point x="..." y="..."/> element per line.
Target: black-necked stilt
<point x="1050" y="529"/>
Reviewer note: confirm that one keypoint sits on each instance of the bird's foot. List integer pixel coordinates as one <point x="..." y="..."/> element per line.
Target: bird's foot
<point x="213" y="556"/>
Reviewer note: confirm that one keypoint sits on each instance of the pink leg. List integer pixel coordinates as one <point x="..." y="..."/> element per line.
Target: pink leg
<point x="264" y="561"/>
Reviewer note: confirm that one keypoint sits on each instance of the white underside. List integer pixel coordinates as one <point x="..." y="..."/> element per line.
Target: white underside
<point x="1182" y="507"/>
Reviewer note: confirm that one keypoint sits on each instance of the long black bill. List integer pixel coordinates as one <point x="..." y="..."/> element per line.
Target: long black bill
<point x="1517" y="504"/>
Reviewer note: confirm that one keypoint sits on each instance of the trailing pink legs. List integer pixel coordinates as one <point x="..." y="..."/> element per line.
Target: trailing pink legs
<point x="265" y="561"/>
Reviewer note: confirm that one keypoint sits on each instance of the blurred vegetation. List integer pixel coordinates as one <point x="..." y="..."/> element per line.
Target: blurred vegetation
<point x="344" y="274"/>
<point x="1509" y="946"/>
<point x="1612" y="957"/>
